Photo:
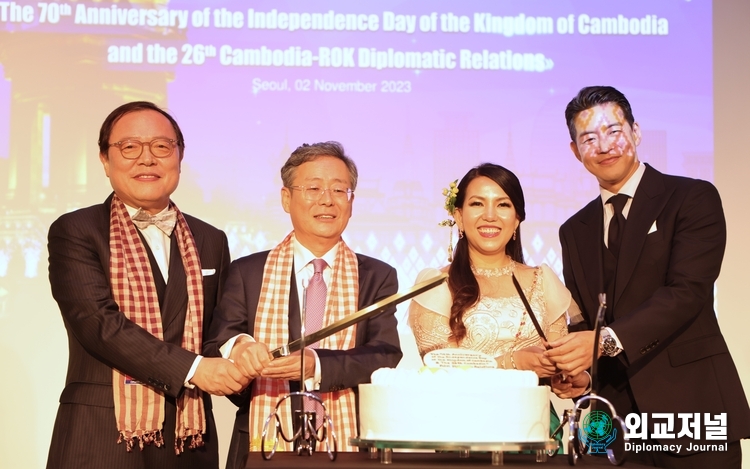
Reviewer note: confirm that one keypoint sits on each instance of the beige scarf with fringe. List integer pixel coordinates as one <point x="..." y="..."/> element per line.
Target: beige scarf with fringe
<point x="272" y="329"/>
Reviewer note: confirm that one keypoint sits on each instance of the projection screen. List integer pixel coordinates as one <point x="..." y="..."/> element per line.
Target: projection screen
<point x="418" y="92"/>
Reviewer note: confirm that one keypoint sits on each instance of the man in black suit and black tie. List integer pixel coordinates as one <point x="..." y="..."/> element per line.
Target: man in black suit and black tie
<point x="136" y="281"/>
<point x="260" y="308"/>
<point x="654" y="243"/>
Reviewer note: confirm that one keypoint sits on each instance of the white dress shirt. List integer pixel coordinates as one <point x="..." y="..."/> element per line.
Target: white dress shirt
<point x="628" y="189"/>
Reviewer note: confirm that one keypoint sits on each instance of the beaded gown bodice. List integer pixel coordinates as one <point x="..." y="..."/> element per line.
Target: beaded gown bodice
<point x="493" y="325"/>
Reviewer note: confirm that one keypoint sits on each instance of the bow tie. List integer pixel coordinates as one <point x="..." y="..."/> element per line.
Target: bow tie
<point x="165" y="221"/>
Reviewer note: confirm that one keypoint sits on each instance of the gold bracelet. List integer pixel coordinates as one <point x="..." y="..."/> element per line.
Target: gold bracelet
<point x="512" y="361"/>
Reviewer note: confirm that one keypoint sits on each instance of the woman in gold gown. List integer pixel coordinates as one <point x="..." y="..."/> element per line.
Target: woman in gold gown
<point x="480" y="308"/>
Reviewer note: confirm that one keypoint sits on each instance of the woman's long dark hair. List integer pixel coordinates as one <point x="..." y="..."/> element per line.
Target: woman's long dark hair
<point x="461" y="281"/>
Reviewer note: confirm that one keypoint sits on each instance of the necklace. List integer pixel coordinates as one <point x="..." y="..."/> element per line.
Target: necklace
<point x="495" y="271"/>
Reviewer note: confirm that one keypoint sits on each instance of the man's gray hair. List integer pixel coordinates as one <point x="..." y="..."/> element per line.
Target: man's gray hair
<point x="307" y="152"/>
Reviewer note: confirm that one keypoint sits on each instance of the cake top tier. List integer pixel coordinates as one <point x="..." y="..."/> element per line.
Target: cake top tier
<point x="469" y="378"/>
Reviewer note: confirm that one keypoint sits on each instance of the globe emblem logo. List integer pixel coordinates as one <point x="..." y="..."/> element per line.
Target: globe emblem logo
<point x="597" y="431"/>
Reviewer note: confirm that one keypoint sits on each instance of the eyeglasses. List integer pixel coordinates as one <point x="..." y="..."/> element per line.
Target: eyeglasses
<point x="132" y="149"/>
<point x="314" y="193"/>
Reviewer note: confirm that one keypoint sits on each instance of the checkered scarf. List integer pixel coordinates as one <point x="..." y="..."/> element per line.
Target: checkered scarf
<point x="272" y="329"/>
<point x="139" y="409"/>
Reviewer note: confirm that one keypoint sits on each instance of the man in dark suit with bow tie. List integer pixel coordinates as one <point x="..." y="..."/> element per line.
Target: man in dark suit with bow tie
<point x="136" y="281"/>
<point x="654" y="244"/>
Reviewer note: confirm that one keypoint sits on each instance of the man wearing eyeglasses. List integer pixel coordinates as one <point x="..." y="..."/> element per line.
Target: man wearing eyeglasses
<point x="260" y="307"/>
<point x="136" y="281"/>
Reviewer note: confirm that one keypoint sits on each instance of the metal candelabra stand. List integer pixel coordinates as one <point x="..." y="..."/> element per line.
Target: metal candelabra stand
<point x="307" y="437"/>
<point x="571" y="417"/>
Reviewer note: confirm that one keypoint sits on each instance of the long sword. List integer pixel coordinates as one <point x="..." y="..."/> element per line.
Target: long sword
<point x="380" y="306"/>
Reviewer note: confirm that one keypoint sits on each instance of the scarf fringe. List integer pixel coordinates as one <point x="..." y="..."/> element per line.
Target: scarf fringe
<point x="157" y="439"/>
<point x="195" y="441"/>
<point x="130" y="438"/>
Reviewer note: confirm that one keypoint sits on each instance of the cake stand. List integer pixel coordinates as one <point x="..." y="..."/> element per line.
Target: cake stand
<point x="543" y="449"/>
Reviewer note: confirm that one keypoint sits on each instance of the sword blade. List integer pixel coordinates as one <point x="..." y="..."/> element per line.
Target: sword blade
<point x="378" y="307"/>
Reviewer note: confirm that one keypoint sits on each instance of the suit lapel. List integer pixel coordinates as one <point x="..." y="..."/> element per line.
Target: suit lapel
<point x="364" y="298"/>
<point x="364" y="283"/>
<point x="295" y="321"/>
<point x="104" y="230"/>
<point x="588" y="234"/>
<point x="648" y="202"/>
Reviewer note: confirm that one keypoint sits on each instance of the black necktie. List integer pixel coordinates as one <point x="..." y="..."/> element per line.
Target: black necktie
<point x="617" y="224"/>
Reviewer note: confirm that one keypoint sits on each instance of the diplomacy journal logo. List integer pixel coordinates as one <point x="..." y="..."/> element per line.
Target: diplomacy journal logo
<point x="597" y="432"/>
<point x="703" y="428"/>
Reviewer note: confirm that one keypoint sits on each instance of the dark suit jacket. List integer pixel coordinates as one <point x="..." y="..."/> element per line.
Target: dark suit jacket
<point x="376" y="343"/>
<point x="100" y="337"/>
<point x="675" y="358"/>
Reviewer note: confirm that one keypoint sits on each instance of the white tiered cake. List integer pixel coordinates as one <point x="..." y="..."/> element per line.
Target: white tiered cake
<point x="454" y="405"/>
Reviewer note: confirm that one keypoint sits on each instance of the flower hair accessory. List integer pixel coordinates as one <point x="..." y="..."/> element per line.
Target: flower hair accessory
<point x="450" y="193"/>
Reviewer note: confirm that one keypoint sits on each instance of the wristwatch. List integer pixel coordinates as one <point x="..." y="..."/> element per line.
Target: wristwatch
<point x="608" y="344"/>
